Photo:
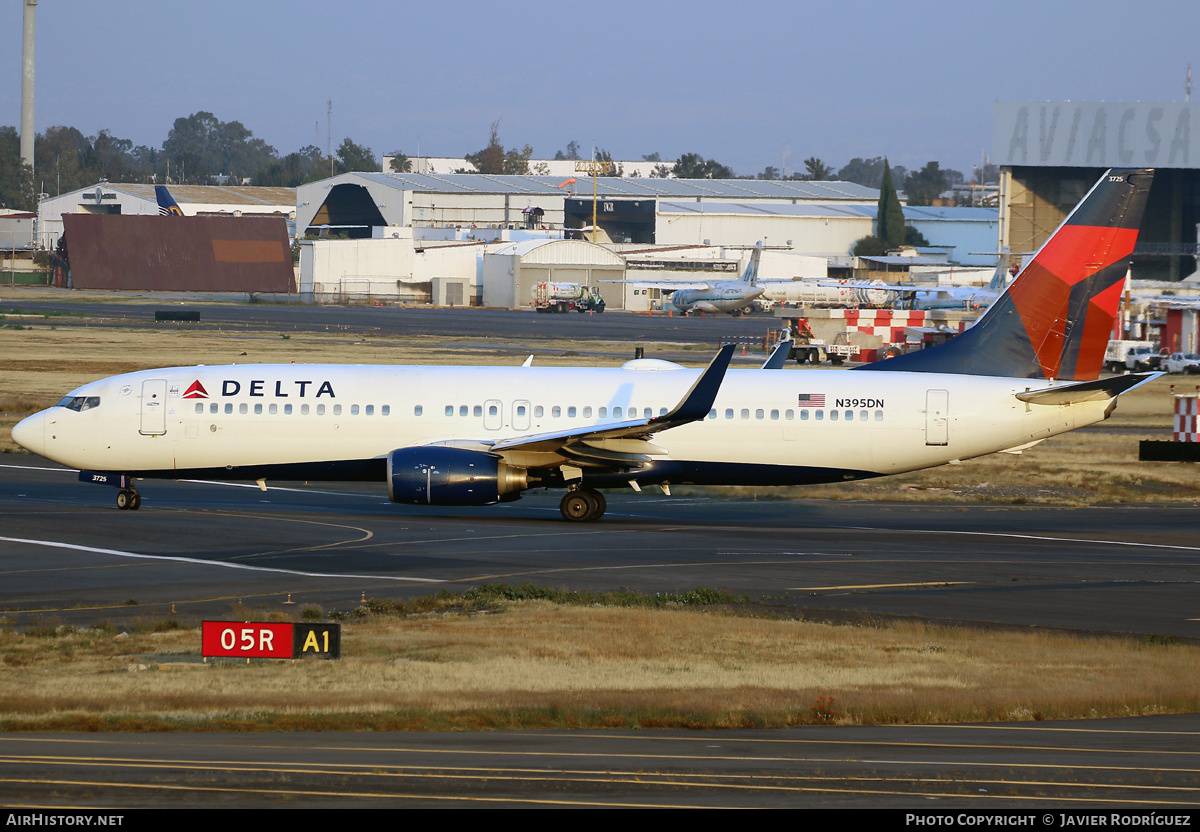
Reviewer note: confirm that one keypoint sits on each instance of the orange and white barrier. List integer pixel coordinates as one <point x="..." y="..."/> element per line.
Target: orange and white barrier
<point x="1187" y="418"/>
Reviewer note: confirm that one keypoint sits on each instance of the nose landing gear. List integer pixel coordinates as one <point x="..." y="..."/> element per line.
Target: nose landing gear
<point x="582" y="505"/>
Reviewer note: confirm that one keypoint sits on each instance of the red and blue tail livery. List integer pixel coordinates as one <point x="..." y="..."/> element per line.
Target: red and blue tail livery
<point x="1056" y="318"/>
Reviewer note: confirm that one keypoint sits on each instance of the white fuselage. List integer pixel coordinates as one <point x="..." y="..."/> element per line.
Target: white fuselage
<point x="776" y="421"/>
<point x="727" y="296"/>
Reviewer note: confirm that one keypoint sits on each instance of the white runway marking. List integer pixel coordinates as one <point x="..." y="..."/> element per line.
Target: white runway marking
<point x="200" y="562"/>
<point x="1045" y="538"/>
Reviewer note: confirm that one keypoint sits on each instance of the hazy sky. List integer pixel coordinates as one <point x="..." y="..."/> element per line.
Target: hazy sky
<point x="734" y="81"/>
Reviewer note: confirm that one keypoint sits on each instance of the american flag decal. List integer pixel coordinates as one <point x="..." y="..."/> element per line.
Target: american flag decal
<point x="812" y="400"/>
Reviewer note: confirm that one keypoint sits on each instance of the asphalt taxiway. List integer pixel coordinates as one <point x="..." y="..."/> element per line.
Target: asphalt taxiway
<point x="66" y="550"/>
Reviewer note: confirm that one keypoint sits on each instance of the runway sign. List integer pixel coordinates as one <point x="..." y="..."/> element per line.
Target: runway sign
<point x="270" y="640"/>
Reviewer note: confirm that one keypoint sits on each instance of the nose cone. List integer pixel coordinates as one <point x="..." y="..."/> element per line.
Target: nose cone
<point x="30" y="433"/>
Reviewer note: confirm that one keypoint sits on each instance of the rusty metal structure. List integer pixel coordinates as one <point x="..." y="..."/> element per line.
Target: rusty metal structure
<point x="196" y="254"/>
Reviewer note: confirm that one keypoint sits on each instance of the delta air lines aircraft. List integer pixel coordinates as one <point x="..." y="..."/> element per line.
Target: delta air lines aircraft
<point x="1026" y="371"/>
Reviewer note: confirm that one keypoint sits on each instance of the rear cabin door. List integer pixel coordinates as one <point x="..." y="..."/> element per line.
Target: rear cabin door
<point x="937" y="417"/>
<point x="154" y="407"/>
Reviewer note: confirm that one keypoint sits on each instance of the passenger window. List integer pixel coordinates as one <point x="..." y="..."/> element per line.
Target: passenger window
<point x="321" y="410"/>
<point x="775" y="415"/>
<point x="353" y="410"/>
<point x="556" y="411"/>
<point x="538" y="412"/>
<point x="370" y="410"/>
<point x="603" y="413"/>
<point x="729" y="413"/>
<point x="745" y="413"/>
<point x="462" y="410"/>
<point x="803" y="415"/>
<point x="712" y="414"/>
<point x="258" y="409"/>
<point x="243" y="409"/>
<point x="416" y="410"/>
<point x="449" y="410"/>
<point x="662" y="411"/>
<point x="862" y="415"/>
<point x="212" y="408"/>
<point x="759" y="414"/>
<point x="571" y="412"/>
<point x="386" y="410"/>
<point x="878" y="415"/>
<point x="820" y="415"/>
<point x="493" y="410"/>
<point x="287" y="410"/>
<point x="789" y="415"/>
<point x="616" y="413"/>
<point x="477" y="410"/>
<point x="228" y="407"/>
<point x="849" y="415"/>
<point x="833" y="415"/>
<point x="587" y="413"/>
<point x="273" y="409"/>
<point x="520" y="410"/>
<point x="199" y="408"/>
<point x="337" y="410"/>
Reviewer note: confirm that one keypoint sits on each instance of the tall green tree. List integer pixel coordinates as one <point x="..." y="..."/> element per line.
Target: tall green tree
<point x="866" y="172"/>
<point x="889" y="217"/>
<point x="16" y="177"/>
<point x="926" y="185"/>
<point x="400" y="162"/>
<point x="490" y="160"/>
<point x="816" y="171"/>
<point x="353" y="156"/>
<point x="695" y="166"/>
<point x="202" y="146"/>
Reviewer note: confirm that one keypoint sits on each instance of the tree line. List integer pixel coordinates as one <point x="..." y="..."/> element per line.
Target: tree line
<point x="201" y="149"/>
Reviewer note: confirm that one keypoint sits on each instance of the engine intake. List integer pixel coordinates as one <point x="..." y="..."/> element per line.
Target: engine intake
<point x="451" y="477"/>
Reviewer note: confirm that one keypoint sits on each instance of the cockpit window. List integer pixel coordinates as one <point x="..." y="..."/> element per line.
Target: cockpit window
<point x="79" y="403"/>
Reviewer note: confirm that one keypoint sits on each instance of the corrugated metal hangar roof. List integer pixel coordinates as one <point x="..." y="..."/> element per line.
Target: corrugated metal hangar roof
<point x="613" y="186"/>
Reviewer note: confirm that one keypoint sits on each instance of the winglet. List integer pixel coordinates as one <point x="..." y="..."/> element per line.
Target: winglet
<point x="699" y="399"/>
<point x="778" y="356"/>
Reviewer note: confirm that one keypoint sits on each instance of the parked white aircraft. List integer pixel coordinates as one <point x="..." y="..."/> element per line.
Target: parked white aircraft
<point x="480" y="435"/>
<point x="917" y="296"/>
<point x="732" y="296"/>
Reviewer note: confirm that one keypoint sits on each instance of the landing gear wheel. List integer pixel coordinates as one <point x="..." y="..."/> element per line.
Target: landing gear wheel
<point x="128" y="499"/>
<point x="136" y="503"/>
<point x="582" y="505"/>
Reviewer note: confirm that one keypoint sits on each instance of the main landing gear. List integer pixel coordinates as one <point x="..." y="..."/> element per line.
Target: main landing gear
<point x="582" y="505"/>
<point x="128" y="499"/>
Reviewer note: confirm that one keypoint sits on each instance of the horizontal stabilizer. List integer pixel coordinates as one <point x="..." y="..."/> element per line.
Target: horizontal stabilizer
<point x="1087" y="391"/>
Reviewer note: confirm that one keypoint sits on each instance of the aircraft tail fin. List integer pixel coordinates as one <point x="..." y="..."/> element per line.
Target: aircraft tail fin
<point x="167" y="206"/>
<point x="1000" y="276"/>
<point x="1057" y="315"/>
<point x="751" y="274"/>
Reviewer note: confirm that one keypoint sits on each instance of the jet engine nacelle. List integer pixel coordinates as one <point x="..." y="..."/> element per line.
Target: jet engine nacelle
<point x="451" y="477"/>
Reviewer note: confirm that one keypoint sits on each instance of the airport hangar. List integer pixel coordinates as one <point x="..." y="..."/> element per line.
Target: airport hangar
<point x="1051" y="152"/>
<point x="665" y="229"/>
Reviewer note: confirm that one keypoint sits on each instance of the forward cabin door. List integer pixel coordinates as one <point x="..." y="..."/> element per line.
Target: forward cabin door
<point x="154" y="407"/>
<point x="937" y="417"/>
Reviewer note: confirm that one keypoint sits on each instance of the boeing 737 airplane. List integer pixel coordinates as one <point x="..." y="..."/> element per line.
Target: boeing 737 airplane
<point x="1026" y="371"/>
<point x="731" y="296"/>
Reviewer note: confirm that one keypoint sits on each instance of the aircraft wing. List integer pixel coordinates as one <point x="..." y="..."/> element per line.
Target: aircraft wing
<point x="665" y="285"/>
<point x="626" y="444"/>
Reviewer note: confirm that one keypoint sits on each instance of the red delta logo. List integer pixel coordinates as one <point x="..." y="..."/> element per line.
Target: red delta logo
<point x="196" y="391"/>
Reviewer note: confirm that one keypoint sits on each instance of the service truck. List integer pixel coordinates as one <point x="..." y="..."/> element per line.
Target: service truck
<point x="563" y="297"/>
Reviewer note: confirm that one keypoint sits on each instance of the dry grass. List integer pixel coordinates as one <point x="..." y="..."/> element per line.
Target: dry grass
<point x="541" y="663"/>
